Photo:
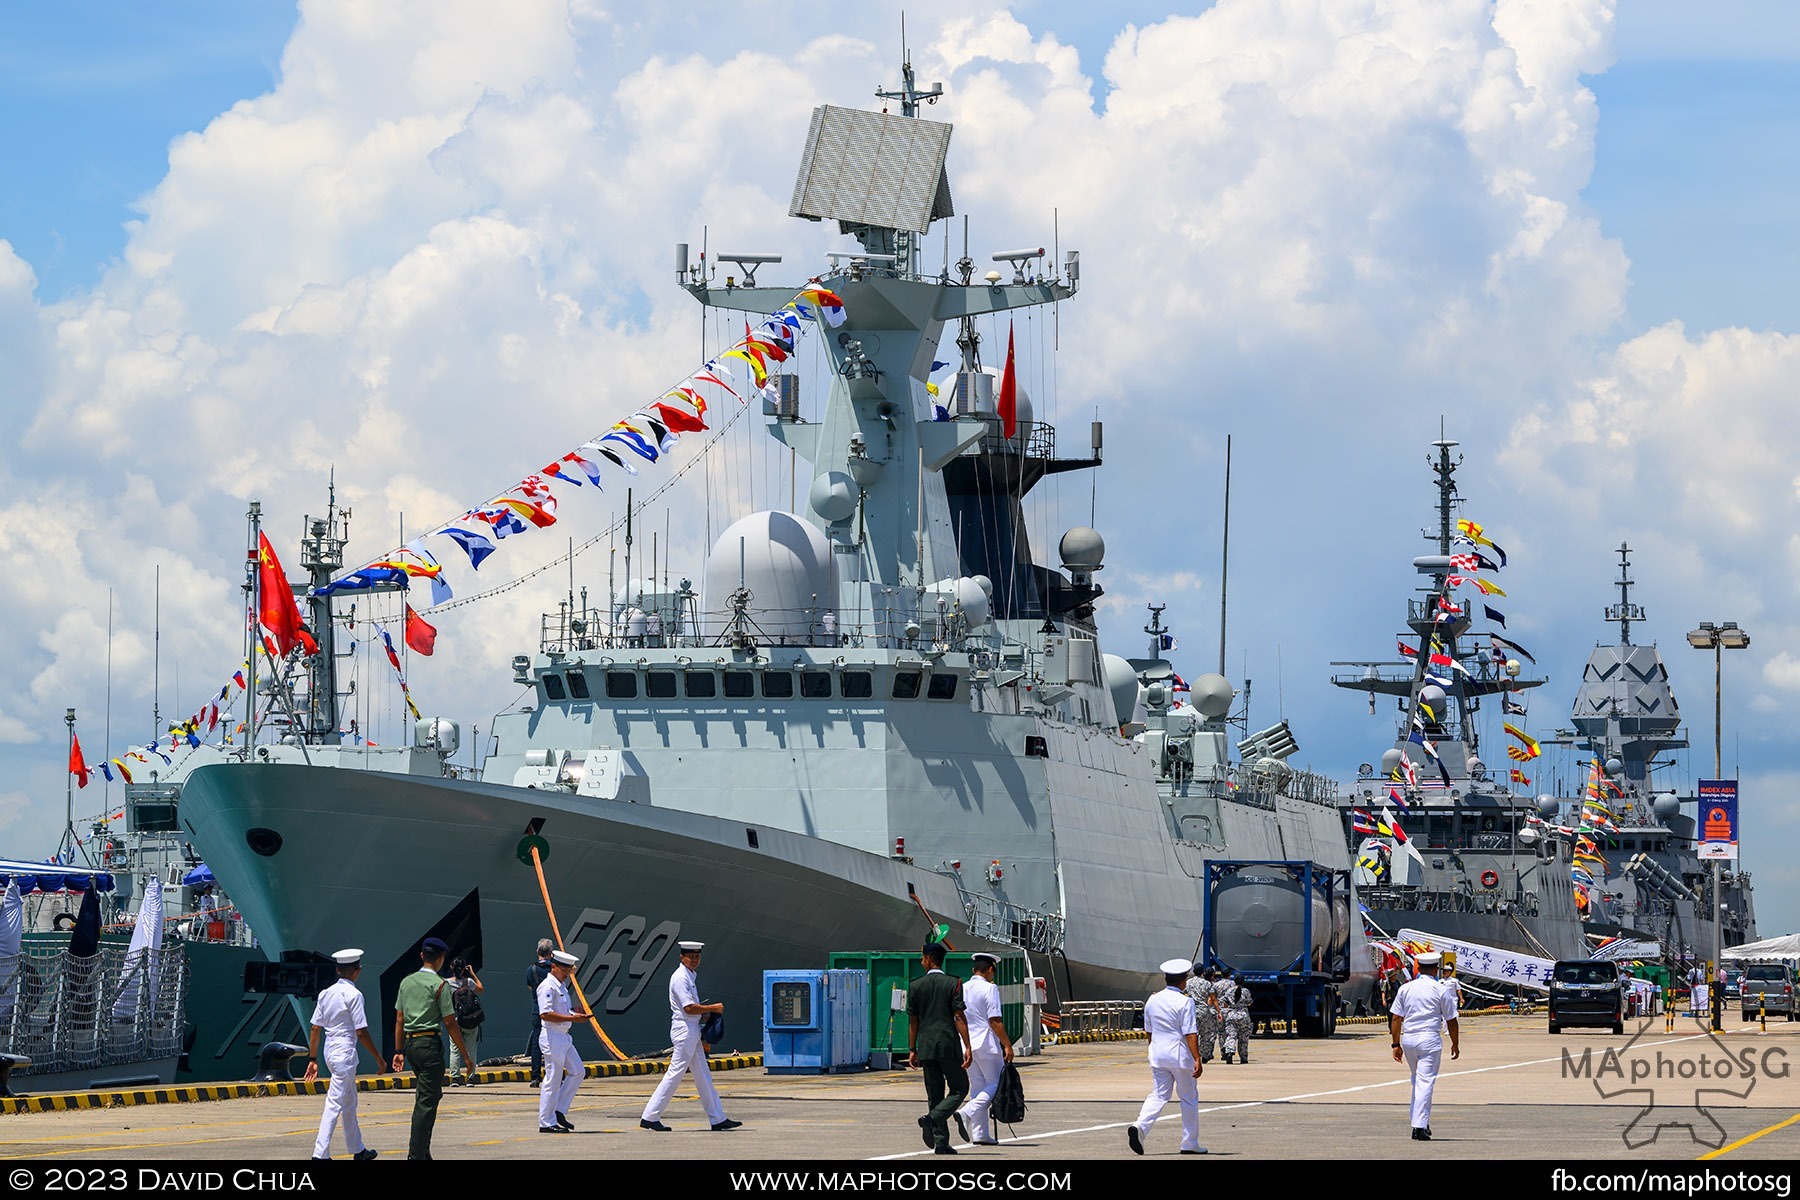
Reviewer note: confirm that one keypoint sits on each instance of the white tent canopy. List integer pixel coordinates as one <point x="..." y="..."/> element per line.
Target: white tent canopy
<point x="1785" y="946"/>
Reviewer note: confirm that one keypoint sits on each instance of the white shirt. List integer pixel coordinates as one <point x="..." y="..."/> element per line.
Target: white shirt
<point x="981" y="1002"/>
<point x="684" y="989"/>
<point x="339" y="1012"/>
<point x="1423" y="1006"/>
<point x="553" y="997"/>
<point x="1168" y="1019"/>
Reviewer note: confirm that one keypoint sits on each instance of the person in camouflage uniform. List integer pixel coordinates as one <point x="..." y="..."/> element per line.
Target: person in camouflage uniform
<point x="1206" y="1009"/>
<point x="1234" y="999"/>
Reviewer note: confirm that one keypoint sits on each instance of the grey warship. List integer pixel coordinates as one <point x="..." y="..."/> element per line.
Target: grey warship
<point x="1504" y="864"/>
<point x="873" y="716"/>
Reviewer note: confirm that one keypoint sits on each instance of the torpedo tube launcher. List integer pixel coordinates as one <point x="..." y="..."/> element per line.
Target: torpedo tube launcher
<point x="1285" y="927"/>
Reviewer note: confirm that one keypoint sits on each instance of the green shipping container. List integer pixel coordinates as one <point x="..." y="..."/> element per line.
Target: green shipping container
<point x="891" y="971"/>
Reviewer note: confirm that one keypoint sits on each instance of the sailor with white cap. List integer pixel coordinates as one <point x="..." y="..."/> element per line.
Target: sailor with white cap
<point x="1174" y="1059"/>
<point x="990" y="1049"/>
<point x="685" y="1015"/>
<point x="338" y="1016"/>
<point x="562" y="1064"/>
<point x="1421" y="1010"/>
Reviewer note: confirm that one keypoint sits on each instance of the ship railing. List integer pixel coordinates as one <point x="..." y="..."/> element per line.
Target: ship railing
<point x="1012" y="924"/>
<point x="1457" y="900"/>
<point x="569" y="631"/>
<point x="110" y="1009"/>
<point x="1260" y="787"/>
<point x="1100" y="1016"/>
<point x="1030" y="439"/>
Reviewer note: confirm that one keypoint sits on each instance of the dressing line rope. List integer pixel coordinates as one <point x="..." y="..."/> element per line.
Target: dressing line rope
<point x="537" y="864"/>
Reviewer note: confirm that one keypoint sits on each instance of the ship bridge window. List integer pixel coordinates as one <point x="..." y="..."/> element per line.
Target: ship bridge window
<point x="659" y="685"/>
<point x="943" y="686"/>
<point x="856" y="685"/>
<point x="778" y="684"/>
<point x="701" y="685"/>
<point x="906" y="685"/>
<point x="739" y="684"/>
<point x="815" y="685"/>
<point x="553" y="688"/>
<point x="621" y="685"/>
<point x="578" y="688"/>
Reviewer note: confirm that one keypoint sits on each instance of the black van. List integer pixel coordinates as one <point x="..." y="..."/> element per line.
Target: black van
<point x="1587" y="992"/>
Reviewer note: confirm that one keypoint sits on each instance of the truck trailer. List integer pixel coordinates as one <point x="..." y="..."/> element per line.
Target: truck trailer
<point x="1285" y="927"/>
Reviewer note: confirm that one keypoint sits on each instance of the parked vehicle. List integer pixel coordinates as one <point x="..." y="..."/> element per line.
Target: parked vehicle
<point x="1768" y="987"/>
<point x="1586" y="992"/>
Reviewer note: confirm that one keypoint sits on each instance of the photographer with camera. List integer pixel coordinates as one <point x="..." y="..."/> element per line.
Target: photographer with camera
<point x="465" y="991"/>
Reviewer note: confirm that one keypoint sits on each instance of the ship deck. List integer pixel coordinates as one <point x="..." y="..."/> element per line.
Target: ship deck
<point x="1512" y="1095"/>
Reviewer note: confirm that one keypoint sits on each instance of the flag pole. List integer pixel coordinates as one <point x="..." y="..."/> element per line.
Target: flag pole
<point x="68" y="838"/>
<point x="252" y="618"/>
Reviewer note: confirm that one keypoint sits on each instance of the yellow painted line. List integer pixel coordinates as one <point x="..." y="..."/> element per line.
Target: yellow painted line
<point x="404" y="1081"/>
<point x="1745" y="1141"/>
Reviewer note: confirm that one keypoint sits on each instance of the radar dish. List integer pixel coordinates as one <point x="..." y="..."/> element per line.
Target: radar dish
<point x="1212" y="695"/>
<point x="863" y="168"/>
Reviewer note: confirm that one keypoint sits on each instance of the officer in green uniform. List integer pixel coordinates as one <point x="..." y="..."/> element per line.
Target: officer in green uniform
<point x="422" y="1012"/>
<point x="940" y="1045"/>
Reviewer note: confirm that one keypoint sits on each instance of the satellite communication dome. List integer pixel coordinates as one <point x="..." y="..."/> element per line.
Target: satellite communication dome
<point x="1212" y="695"/>
<point x="1666" y="805"/>
<point x="1614" y="767"/>
<point x="1390" y="761"/>
<point x="1082" y="549"/>
<point x="1548" y="806"/>
<point x="833" y="496"/>
<point x="1122" y="682"/>
<point x="1432" y="697"/>
<point x="786" y="566"/>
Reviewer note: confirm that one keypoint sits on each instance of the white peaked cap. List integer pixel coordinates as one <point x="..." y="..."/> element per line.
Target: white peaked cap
<point x="985" y="956"/>
<point x="1430" y="958"/>
<point x="348" y="958"/>
<point x="691" y="946"/>
<point x="1177" y="966"/>
<point x="564" y="957"/>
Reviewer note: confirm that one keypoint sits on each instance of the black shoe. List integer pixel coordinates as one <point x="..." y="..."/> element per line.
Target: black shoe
<point x="1201" y="1150"/>
<point x="1228" y="1056"/>
<point x="536" y="1078"/>
<point x="925" y="1131"/>
<point x="1421" y="1135"/>
<point x="727" y="1123"/>
<point x="363" y="1155"/>
<point x="943" y="1150"/>
<point x="563" y="1123"/>
<point x="551" y="1129"/>
<point x="1137" y="1143"/>
<point x="656" y="1125"/>
<point x="321" y="1158"/>
<point x="961" y="1128"/>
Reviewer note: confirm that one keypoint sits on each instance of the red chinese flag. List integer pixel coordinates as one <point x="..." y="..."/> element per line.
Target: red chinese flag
<point x="420" y="635"/>
<point x="679" y="421"/>
<point x="1008" y="403"/>
<point x="78" y="765"/>
<point x="280" y="615"/>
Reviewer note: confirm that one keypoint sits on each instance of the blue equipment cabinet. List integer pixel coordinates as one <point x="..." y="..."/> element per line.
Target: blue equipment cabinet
<point x="815" y="1022"/>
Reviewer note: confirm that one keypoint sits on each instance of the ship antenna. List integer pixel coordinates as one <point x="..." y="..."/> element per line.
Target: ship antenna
<point x="1624" y="612"/>
<point x="1225" y="555"/>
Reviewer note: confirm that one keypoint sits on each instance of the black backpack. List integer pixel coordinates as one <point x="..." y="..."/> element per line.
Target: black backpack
<point x="466" y="1004"/>
<point x="1009" y="1097"/>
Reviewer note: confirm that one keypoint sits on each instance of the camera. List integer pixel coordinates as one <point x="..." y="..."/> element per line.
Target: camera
<point x="459" y="967"/>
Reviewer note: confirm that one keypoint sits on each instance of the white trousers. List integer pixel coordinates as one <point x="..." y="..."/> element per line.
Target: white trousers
<point x="1182" y="1085"/>
<point x="562" y="1076"/>
<point x="984" y="1077"/>
<point x="340" y="1102"/>
<point x="1422" y="1060"/>
<point x="688" y="1056"/>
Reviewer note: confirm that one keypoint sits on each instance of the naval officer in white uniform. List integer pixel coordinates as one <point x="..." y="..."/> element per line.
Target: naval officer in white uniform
<point x="562" y="1065"/>
<point x="1174" y="1059"/>
<point x="989" y="1049"/>
<point x="338" y="1018"/>
<point x="685" y="1015"/>
<point x="1421" y="1010"/>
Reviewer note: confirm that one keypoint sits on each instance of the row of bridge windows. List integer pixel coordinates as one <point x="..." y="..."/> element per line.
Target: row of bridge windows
<point x="744" y="685"/>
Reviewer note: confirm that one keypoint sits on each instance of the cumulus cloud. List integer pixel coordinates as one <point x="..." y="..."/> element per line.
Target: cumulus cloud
<point x="438" y="252"/>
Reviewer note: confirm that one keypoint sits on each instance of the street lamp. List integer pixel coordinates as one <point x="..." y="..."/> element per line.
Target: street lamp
<point x="1718" y="639"/>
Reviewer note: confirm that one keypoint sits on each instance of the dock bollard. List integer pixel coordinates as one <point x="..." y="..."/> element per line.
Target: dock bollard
<point x="1669" y="1012"/>
<point x="1762" y="1012"/>
<point x="272" y="1062"/>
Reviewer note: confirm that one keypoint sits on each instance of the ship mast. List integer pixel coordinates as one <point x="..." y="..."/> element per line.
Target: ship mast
<point x="1624" y="612"/>
<point x="322" y="554"/>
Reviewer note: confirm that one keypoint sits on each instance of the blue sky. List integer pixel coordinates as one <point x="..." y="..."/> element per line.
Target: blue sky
<point x="1555" y="366"/>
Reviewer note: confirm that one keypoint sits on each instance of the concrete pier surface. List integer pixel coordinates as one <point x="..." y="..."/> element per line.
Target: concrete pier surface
<point x="1516" y="1092"/>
